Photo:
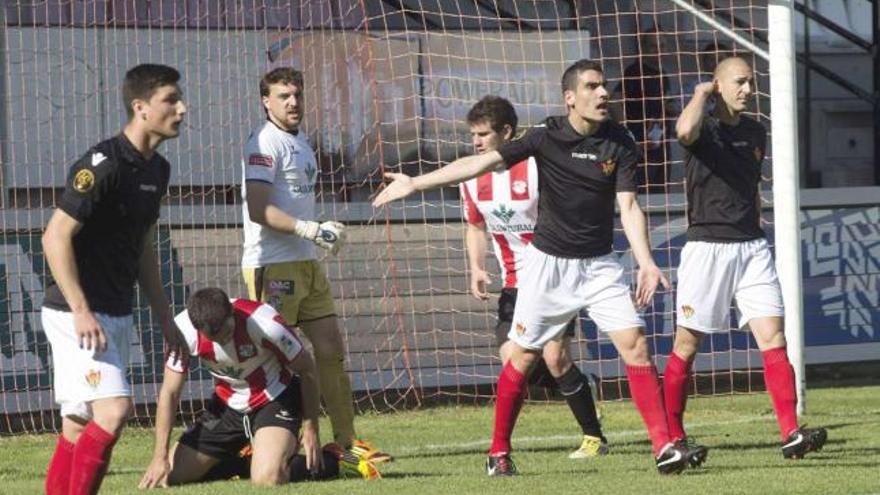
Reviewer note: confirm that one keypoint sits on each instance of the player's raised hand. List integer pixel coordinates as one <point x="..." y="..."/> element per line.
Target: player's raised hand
<point x="157" y="474"/>
<point x="479" y="283"/>
<point x="400" y="187"/>
<point x="646" y="284"/>
<point x="707" y="88"/>
<point x="89" y="332"/>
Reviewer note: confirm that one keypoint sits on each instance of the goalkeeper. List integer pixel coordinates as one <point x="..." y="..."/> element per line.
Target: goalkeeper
<point x="264" y="391"/>
<point x="281" y="240"/>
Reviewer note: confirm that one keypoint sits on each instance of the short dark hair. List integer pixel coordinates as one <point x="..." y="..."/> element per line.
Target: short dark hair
<point x="495" y="110"/>
<point x="284" y="75"/>
<point x="141" y="81"/>
<point x="208" y="308"/>
<point x="569" y="77"/>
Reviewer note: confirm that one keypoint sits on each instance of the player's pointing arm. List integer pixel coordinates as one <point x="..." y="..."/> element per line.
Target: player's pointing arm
<point x="460" y="170"/>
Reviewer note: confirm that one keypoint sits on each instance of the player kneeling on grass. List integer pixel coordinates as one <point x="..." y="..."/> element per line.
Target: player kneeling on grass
<point x="265" y="389"/>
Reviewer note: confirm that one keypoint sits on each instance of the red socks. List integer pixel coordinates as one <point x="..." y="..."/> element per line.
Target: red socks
<point x="511" y="389"/>
<point x="779" y="378"/>
<point x="675" y="393"/>
<point x="58" y="473"/>
<point x="91" y="456"/>
<point x="645" y="390"/>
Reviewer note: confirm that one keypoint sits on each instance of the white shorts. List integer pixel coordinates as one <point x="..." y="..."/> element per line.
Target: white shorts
<point x="552" y="290"/>
<point x="712" y="274"/>
<point x="82" y="376"/>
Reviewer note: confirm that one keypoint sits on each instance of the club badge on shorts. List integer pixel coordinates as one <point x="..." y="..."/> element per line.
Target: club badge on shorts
<point x="93" y="378"/>
<point x="687" y="311"/>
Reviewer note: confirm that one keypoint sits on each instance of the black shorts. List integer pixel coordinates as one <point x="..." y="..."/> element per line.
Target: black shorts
<point x="506" y="305"/>
<point x="221" y="432"/>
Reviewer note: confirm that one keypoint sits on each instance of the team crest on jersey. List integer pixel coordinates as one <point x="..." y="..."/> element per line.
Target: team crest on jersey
<point x="93" y="378"/>
<point x="520" y="329"/>
<point x="607" y="167"/>
<point x="84" y="180"/>
<point x="519" y="186"/>
<point x="247" y="351"/>
<point x="687" y="311"/>
<point x="503" y="213"/>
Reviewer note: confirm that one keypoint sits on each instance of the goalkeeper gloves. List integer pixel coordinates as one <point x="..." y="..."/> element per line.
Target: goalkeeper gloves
<point x="327" y="235"/>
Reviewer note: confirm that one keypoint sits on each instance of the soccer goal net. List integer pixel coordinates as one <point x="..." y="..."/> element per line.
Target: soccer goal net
<point x="387" y="88"/>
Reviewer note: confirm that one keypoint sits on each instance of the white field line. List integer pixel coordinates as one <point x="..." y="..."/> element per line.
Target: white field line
<point x="541" y="439"/>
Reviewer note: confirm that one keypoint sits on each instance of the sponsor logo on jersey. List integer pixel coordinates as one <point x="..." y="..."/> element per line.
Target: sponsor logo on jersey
<point x="260" y="160"/>
<point x="503" y="213"/>
<point x="229" y="372"/>
<point x="97" y="158"/>
<point x="607" y="167"/>
<point x="584" y="156"/>
<point x="149" y="187"/>
<point x="687" y="311"/>
<point x="520" y="329"/>
<point x="519" y="186"/>
<point x="93" y="378"/>
<point x="84" y="180"/>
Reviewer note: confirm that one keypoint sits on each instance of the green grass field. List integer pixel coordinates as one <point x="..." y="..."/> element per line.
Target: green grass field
<point x="441" y="450"/>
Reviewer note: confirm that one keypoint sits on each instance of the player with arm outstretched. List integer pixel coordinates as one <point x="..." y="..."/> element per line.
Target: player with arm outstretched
<point x="265" y="388"/>
<point x="98" y="243"/>
<point x="503" y="205"/>
<point x="726" y="256"/>
<point x="279" y="259"/>
<point x="584" y="162"/>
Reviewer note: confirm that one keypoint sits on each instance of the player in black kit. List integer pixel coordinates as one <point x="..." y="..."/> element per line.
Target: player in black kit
<point x="585" y="161"/>
<point x="727" y="256"/>
<point x="98" y="243"/>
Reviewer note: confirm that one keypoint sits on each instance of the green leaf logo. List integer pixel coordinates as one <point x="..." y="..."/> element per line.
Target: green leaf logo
<point x="503" y="213"/>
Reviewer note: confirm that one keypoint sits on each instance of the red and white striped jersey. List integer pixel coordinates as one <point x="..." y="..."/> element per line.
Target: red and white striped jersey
<point x="507" y="203"/>
<point x="251" y="369"/>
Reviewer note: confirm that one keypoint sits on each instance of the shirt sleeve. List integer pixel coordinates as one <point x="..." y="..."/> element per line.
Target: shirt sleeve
<point x="261" y="158"/>
<point x="89" y="181"/>
<point x="182" y="364"/>
<point x="523" y="146"/>
<point x="472" y="214"/>
<point x="279" y="337"/>
<point x="627" y="160"/>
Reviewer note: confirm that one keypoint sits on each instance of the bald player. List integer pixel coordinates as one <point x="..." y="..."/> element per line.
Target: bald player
<point x="726" y="256"/>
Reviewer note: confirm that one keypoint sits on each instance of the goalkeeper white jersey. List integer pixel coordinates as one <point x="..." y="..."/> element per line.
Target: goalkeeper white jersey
<point x="251" y="369"/>
<point x="507" y="202"/>
<point x="287" y="162"/>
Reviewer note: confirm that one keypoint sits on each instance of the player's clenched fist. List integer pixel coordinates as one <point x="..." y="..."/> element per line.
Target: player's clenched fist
<point x="327" y="235"/>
